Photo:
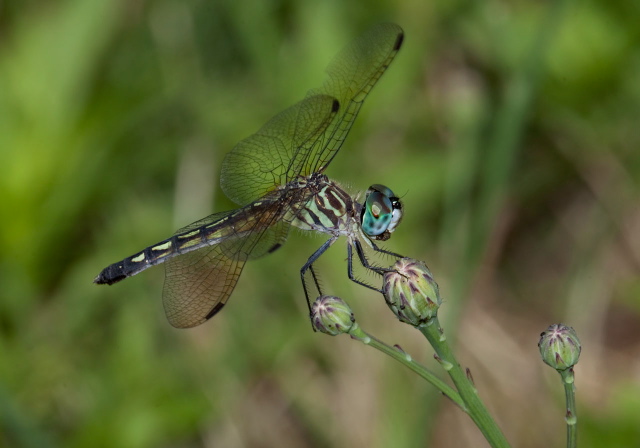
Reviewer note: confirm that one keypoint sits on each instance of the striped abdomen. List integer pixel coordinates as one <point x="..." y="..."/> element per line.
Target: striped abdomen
<point x="158" y="253"/>
<point x="209" y="231"/>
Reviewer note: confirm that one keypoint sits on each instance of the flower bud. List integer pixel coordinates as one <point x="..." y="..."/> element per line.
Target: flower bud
<point x="411" y="292"/>
<point x="560" y="347"/>
<point x="331" y="315"/>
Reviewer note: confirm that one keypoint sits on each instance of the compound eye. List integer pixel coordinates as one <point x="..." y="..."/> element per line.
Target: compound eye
<point x="377" y="214"/>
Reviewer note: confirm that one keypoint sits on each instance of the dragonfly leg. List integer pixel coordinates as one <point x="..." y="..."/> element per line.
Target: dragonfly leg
<point x="376" y="269"/>
<point x="315" y="279"/>
<point x="363" y="261"/>
<point x="377" y="249"/>
<point x="308" y="266"/>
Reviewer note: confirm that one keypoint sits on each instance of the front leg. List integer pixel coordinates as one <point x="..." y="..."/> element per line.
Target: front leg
<point x="365" y="262"/>
<point x="377" y="249"/>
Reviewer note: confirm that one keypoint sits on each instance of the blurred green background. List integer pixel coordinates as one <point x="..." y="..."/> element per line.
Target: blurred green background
<point x="509" y="127"/>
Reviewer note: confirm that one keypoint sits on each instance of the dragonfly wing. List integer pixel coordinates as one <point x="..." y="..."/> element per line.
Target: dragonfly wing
<point x="305" y="137"/>
<point x="259" y="163"/>
<point x="351" y="76"/>
<point x="198" y="283"/>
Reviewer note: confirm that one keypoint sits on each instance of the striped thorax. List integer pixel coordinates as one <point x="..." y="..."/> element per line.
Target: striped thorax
<point x="329" y="210"/>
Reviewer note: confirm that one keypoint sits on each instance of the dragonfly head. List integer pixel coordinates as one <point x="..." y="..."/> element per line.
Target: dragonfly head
<point x="381" y="213"/>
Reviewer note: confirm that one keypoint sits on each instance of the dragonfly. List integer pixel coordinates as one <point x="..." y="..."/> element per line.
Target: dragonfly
<point x="276" y="176"/>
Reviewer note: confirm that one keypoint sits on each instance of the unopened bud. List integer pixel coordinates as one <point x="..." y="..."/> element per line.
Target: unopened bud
<point x="331" y="315"/>
<point x="560" y="347"/>
<point x="411" y="292"/>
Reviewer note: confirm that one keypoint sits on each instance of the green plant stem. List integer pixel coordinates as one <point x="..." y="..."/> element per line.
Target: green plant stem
<point x="477" y="410"/>
<point x="357" y="333"/>
<point x="571" y="416"/>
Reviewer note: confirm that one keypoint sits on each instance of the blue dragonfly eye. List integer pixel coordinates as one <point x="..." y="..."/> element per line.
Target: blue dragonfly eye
<point x="381" y="213"/>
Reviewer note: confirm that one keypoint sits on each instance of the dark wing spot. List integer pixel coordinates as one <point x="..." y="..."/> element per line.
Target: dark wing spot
<point x="399" y="41"/>
<point x="215" y="310"/>
<point x="274" y="248"/>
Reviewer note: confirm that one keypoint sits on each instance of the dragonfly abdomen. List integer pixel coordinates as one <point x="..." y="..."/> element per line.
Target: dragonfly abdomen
<point x="134" y="264"/>
<point x="158" y="253"/>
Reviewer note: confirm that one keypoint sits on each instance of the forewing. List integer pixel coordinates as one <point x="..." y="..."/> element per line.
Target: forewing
<point x="259" y="163"/>
<point x="305" y="137"/>
<point x="198" y="283"/>
<point x="351" y="76"/>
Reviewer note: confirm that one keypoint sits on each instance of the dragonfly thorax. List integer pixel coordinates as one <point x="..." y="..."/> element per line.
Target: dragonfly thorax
<point x="328" y="209"/>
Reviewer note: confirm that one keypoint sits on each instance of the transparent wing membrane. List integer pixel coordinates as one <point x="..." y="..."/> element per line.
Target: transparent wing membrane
<point x="260" y="163"/>
<point x="198" y="283"/>
<point x="351" y="76"/>
<point x="304" y="138"/>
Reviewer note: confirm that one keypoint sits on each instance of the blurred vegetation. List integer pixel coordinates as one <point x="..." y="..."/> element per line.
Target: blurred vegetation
<point x="510" y="127"/>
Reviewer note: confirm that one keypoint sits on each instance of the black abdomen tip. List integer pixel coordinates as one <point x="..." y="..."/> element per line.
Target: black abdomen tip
<point x="108" y="277"/>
